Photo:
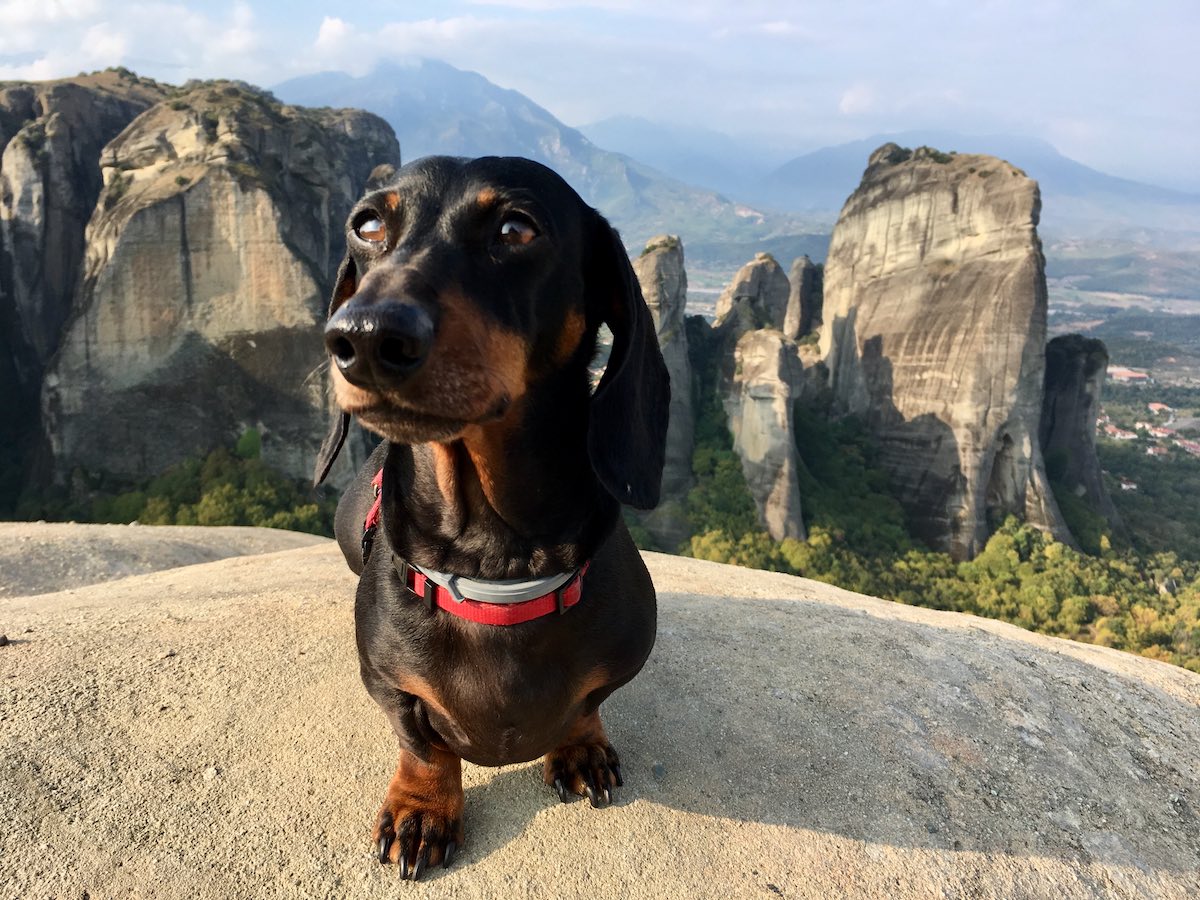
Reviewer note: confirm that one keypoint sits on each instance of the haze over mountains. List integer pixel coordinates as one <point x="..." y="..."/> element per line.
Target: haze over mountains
<point x="1078" y="201"/>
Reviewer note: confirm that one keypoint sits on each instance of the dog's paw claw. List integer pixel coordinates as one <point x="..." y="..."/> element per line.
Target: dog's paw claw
<point x="386" y="835"/>
<point x="421" y="863"/>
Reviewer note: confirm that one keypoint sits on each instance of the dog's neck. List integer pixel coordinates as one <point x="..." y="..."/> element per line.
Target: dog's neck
<point x="512" y="498"/>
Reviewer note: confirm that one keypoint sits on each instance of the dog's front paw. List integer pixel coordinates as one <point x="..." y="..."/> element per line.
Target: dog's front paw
<point x="420" y="822"/>
<point x="588" y="769"/>
<point x="416" y="838"/>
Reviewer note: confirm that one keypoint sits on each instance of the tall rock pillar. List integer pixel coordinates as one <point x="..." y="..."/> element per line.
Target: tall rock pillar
<point x="663" y="279"/>
<point x="935" y="332"/>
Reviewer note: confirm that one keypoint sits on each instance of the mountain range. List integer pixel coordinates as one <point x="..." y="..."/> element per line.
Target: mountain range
<point x="436" y="108"/>
<point x="1078" y="201"/>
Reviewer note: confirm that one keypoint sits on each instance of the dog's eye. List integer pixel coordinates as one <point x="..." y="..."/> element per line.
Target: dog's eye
<point x="371" y="230"/>
<point x="517" y="230"/>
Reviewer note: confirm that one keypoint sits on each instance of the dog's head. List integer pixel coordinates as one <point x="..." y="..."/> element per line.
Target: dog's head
<point x="467" y="281"/>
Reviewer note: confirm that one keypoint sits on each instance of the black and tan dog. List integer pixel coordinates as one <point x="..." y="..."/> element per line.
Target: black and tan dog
<point x="461" y="330"/>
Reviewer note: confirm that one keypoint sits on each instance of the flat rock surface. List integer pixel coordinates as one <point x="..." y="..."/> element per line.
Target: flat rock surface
<point x="202" y="732"/>
<point x="40" y="557"/>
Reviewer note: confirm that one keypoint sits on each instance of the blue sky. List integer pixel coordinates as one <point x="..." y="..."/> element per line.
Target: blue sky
<point x="1111" y="83"/>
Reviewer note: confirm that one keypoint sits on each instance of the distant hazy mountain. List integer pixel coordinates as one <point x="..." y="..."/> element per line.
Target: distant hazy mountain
<point x="693" y="154"/>
<point x="436" y="108"/>
<point x="1077" y="201"/>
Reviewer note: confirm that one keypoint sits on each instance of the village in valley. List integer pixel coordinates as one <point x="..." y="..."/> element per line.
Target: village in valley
<point x="1161" y="427"/>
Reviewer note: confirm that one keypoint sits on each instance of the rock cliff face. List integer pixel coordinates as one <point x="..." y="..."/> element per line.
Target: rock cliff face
<point x="805" y="299"/>
<point x="935" y="312"/>
<point x="761" y="378"/>
<point x="758" y="401"/>
<point x="1075" y="369"/>
<point x="660" y="271"/>
<point x="208" y="267"/>
<point x="51" y="135"/>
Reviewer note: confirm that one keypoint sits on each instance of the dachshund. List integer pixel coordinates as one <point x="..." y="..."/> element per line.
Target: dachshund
<point x="501" y="598"/>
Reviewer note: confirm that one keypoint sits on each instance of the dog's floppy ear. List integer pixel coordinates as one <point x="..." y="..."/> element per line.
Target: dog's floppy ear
<point x="627" y="427"/>
<point x="343" y="289"/>
<point x="331" y="446"/>
<point x="344" y="285"/>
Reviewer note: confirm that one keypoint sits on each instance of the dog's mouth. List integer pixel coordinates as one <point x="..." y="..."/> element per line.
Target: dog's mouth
<point x="404" y="424"/>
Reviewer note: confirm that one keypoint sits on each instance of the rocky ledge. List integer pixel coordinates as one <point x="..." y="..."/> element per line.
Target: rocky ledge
<point x="202" y="732"/>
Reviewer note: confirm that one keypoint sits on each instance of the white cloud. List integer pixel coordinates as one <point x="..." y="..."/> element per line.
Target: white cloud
<point x="458" y="40"/>
<point x="102" y="43"/>
<point x="333" y="35"/>
<point x="857" y="100"/>
<point x="23" y="13"/>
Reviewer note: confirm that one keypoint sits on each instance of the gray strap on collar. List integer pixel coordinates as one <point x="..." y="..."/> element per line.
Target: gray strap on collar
<point x="512" y="590"/>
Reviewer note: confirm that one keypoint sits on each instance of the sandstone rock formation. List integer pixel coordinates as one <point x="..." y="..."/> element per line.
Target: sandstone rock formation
<point x="803" y="315"/>
<point x="756" y="298"/>
<point x="761" y="378"/>
<point x="759" y="402"/>
<point x="51" y="135"/>
<point x="663" y="279"/>
<point x="203" y="732"/>
<point x="1075" y="369"/>
<point x="209" y="263"/>
<point x="935" y="328"/>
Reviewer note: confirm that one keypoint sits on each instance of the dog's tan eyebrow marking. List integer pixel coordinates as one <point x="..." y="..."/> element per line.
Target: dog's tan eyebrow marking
<point x="487" y="197"/>
<point x="391" y="200"/>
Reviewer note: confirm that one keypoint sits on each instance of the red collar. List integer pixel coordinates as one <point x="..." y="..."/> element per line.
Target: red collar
<point x="437" y="597"/>
<point x="434" y="596"/>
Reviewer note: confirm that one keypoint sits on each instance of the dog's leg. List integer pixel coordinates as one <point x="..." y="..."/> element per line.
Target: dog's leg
<point x="420" y="822"/>
<point x="585" y="763"/>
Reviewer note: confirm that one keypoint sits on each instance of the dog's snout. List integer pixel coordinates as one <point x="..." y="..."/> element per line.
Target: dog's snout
<point x="381" y="345"/>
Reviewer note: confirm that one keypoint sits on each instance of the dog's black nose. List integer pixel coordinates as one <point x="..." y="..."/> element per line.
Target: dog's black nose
<point x="380" y="345"/>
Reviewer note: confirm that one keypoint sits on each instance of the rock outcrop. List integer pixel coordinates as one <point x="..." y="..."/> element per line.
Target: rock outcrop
<point x="756" y="298"/>
<point x="51" y="135"/>
<point x="761" y="378"/>
<point x="203" y="732"/>
<point x="935" y="329"/>
<point x="209" y="262"/>
<point x="759" y="400"/>
<point x="805" y="300"/>
<point x="663" y="279"/>
<point x="1075" y="370"/>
